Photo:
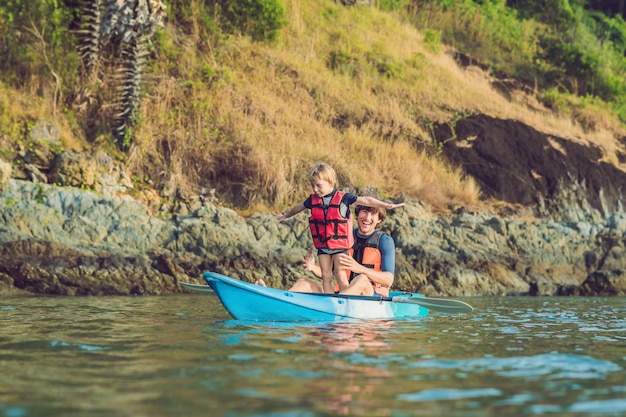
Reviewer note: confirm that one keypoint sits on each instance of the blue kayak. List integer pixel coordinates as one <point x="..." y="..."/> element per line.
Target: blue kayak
<point x="246" y="301"/>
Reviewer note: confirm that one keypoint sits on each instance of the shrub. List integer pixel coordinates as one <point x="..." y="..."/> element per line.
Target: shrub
<point x="259" y="19"/>
<point x="391" y="5"/>
<point x="432" y="38"/>
<point x="36" y="41"/>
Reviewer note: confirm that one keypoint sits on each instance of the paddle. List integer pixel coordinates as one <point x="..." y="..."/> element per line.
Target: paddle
<point x="197" y="287"/>
<point x="436" y="304"/>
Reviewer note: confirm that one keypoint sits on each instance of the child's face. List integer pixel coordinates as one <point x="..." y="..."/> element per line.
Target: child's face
<point x="321" y="187"/>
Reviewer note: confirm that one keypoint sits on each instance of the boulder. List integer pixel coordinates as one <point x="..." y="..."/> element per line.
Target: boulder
<point x="605" y="283"/>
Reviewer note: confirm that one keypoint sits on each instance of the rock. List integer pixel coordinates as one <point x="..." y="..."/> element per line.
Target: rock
<point x="561" y="179"/>
<point x="605" y="283"/>
<point x="99" y="173"/>
<point x="45" y="131"/>
<point x="34" y="174"/>
<point x="5" y="173"/>
<point x="73" y="169"/>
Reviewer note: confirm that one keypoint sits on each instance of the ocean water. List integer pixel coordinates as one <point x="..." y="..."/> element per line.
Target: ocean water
<point x="184" y="356"/>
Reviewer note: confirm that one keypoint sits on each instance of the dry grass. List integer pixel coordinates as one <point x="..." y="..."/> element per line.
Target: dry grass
<point x="249" y="120"/>
<point x="18" y="110"/>
<point x="271" y="112"/>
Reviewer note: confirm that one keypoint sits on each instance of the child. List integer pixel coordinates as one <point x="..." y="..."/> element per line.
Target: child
<point x="331" y="222"/>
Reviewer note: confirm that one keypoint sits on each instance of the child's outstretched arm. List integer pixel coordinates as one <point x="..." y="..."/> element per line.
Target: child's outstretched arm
<point x="374" y="202"/>
<point x="292" y="211"/>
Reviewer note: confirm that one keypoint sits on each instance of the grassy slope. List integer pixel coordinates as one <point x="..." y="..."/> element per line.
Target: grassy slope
<point x="352" y="86"/>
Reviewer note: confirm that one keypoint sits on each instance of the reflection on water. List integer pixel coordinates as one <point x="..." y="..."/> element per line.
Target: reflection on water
<point x="352" y="336"/>
<point x="184" y="356"/>
<point x="360" y="377"/>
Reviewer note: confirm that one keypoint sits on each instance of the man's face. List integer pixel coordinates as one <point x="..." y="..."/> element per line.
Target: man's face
<point x="367" y="222"/>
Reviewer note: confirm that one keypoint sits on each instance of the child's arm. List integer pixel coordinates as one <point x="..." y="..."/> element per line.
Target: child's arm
<point x="292" y="211"/>
<point x="374" y="202"/>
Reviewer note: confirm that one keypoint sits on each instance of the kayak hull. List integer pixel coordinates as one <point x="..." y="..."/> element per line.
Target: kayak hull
<point x="246" y="301"/>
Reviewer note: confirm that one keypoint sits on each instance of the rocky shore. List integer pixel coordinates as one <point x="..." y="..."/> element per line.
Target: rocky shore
<point x="561" y="231"/>
<point x="57" y="240"/>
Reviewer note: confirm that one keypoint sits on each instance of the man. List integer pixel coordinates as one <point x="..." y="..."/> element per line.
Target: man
<point x="370" y="265"/>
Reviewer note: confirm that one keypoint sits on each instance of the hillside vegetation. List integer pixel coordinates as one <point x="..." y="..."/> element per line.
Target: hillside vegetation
<point x="240" y="99"/>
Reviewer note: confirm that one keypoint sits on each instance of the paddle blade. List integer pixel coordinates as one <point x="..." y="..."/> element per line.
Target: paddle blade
<point x="205" y="289"/>
<point x="436" y="304"/>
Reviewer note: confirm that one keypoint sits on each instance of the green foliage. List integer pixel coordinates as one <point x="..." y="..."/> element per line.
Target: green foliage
<point x="619" y="108"/>
<point x="608" y="29"/>
<point x="555" y="100"/>
<point x="611" y="87"/>
<point x="608" y="7"/>
<point x="388" y="68"/>
<point x="383" y="64"/>
<point x="343" y="62"/>
<point x="432" y="38"/>
<point x="445" y="4"/>
<point x="558" y="14"/>
<point x="40" y="194"/>
<point x="488" y="30"/>
<point x="345" y="55"/>
<point x="13" y="126"/>
<point x="36" y="40"/>
<point x="196" y="14"/>
<point x="127" y="139"/>
<point x="570" y="62"/>
<point x="551" y="44"/>
<point x="581" y="51"/>
<point x="259" y="19"/>
<point x="165" y="44"/>
<point x="391" y="5"/>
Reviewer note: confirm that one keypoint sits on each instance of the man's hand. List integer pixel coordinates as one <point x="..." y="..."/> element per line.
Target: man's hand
<point x="348" y="262"/>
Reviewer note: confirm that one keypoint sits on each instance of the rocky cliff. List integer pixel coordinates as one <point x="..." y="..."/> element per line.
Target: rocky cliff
<point x="561" y="229"/>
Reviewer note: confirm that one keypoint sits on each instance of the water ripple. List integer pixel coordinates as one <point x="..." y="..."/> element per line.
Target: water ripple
<point x="554" y="364"/>
<point x="449" y="394"/>
<point x="613" y="407"/>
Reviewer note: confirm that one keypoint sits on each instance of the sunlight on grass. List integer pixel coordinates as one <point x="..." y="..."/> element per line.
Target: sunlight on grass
<point x="355" y="87"/>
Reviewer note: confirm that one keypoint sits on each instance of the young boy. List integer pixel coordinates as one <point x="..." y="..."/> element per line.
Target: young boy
<point x="331" y="222"/>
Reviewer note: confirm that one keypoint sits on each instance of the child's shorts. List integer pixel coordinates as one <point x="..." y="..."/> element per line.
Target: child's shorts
<point x="331" y="251"/>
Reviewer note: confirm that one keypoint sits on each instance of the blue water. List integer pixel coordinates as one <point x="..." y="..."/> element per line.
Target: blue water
<point x="184" y="356"/>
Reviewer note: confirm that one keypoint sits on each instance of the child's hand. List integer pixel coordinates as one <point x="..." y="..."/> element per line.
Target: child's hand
<point x="308" y="261"/>
<point x="393" y="206"/>
<point x="280" y="217"/>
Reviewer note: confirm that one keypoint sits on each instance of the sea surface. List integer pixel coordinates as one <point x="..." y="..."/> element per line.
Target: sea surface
<point x="184" y="356"/>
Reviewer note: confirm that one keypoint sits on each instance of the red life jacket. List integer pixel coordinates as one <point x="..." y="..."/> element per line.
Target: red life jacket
<point x="329" y="229"/>
<point x="368" y="254"/>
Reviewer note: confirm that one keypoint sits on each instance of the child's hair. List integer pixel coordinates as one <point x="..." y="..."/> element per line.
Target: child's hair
<point x="324" y="172"/>
<point x="382" y="213"/>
